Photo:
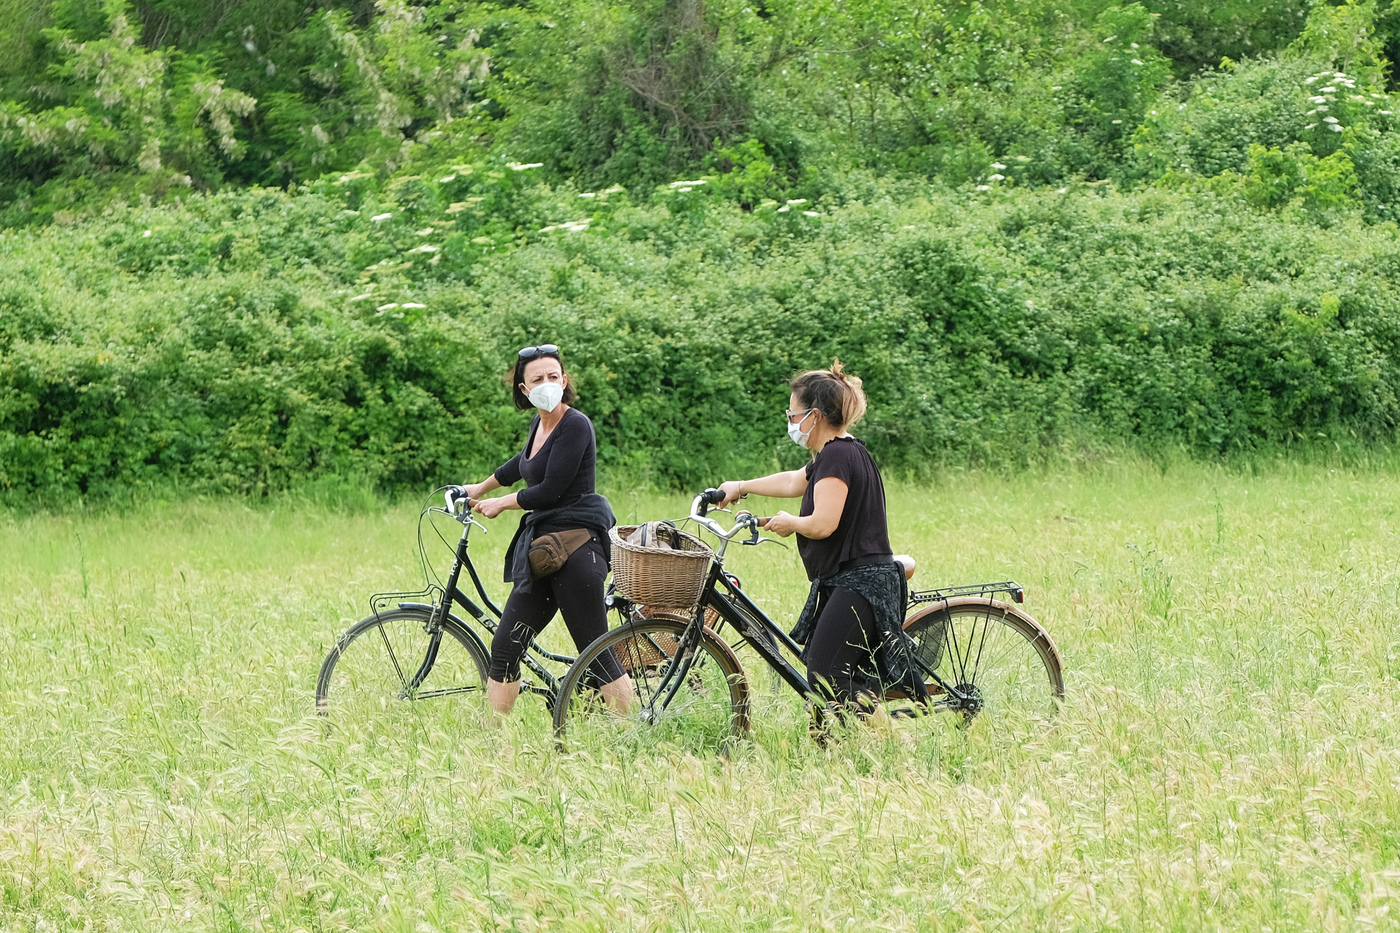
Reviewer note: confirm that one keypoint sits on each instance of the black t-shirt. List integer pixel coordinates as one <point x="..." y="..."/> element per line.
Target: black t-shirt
<point x="863" y="534"/>
<point x="561" y="472"/>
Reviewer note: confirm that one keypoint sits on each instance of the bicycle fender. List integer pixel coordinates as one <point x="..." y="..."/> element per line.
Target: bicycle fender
<point x="993" y="605"/>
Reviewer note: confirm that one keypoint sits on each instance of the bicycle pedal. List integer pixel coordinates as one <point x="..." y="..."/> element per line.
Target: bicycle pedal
<point x="904" y="714"/>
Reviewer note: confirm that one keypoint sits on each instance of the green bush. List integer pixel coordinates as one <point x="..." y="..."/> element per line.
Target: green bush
<point x="256" y="341"/>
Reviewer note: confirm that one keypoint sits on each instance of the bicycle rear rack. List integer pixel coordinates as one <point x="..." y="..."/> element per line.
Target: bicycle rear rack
<point x="387" y="602"/>
<point x="986" y="590"/>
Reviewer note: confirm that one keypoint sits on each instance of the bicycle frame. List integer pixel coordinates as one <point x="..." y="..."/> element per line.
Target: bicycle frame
<point x="765" y="637"/>
<point x="450" y="593"/>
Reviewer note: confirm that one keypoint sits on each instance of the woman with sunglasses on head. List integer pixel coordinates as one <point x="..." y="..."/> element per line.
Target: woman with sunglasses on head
<point x="852" y="624"/>
<point x="566" y="520"/>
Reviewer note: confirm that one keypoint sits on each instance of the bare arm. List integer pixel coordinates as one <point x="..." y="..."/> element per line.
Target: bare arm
<point x="493" y="507"/>
<point x="828" y="502"/>
<point x="480" y="489"/>
<point x="789" y="485"/>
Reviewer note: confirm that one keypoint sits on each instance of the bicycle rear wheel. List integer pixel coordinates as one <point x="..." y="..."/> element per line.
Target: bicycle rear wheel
<point x="1002" y="660"/>
<point x="689" y="688"/>
<point x="390" y="659"/>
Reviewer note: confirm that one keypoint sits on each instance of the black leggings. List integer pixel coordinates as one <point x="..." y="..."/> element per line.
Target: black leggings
<point x="840" y="654"/>
<point x="576" y="590"/>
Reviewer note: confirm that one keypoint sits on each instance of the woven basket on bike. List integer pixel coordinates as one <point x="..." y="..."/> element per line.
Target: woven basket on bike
<point x="660" y="576"/>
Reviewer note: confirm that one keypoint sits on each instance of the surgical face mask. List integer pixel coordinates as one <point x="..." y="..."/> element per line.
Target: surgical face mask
<point x="546" y="396"/>
<point x="799" y="436"/>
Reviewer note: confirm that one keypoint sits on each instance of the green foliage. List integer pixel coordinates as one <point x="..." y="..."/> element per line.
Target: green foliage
<point x="145" y="101"/>
<point x="112" y="107"/>
<point x="744" y="173"/>
<point x="1035" y="225"/>
<point x="266" y="339"/>
<point x="635" y="93"/>
<point x="1294" y="175"/>
<point x="1198" y="36"/>
<point x="1344" y="34"/>
<point x="1112" y="87"/>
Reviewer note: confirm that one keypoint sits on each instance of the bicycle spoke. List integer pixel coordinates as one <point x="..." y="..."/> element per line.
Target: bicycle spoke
<point x="993" y="630"/>
<point x="368" y="670"/>
<point x="981" y="644"/>
<point x="684" y="688"/>
<point x="954" y="652"/>
<point x="996" y="663"/>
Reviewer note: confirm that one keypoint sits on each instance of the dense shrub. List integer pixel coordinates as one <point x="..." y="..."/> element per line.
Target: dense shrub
<point x="253" y="341"/>
<point x="1033" y="226"/>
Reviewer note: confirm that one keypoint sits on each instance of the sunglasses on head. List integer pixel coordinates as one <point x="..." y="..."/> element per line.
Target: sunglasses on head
<point x="544" y="349"/>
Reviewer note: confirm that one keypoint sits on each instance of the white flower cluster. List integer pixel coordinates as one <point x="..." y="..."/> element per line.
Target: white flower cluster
<point x="571" y="226"/>
<point x="795" y="202"/>
<point x="1336" y="83"/>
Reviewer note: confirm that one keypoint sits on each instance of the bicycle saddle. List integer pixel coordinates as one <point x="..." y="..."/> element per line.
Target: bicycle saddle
<point x="909" y="565"/>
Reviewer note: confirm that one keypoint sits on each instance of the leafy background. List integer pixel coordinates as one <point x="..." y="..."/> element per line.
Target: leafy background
<point x="250" y="245"/>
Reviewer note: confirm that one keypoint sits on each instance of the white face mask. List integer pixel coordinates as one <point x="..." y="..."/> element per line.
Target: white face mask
<point x="546" y="396"/>
<point x="799" y="437"/>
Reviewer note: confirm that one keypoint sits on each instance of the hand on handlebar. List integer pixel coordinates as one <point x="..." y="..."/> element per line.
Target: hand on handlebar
<point x="490" y="508"/>
<point x="730" y="490"/>
<point x="782" y="524"/>
<point x="453" y="495"/>
<point x="467" y="495"/>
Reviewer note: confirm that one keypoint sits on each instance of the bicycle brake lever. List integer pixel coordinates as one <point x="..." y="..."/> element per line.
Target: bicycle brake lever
<point x="757" y="541"/>
<point x="465" y="516"/>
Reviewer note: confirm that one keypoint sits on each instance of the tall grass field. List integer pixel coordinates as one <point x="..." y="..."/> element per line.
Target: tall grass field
<point x="1228" y="756"/>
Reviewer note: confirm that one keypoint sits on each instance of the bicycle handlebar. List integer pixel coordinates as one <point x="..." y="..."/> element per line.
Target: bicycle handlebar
<point x="742" y="521"/>
<point x="706" y="499"/>
<point x="459" y="505"/>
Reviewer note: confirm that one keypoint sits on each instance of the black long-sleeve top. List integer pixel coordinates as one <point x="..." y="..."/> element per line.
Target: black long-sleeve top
<point x="559" y="490"/>
<point x="562" y="471"/>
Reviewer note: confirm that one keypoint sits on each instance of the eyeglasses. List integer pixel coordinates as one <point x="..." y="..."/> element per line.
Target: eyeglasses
<point x="793" y="414"/>
<point x="544" y="349"/>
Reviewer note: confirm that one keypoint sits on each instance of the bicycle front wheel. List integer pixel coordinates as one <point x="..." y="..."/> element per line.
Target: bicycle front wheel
<point x="1001" y="661"/>
<point x="687" y="688"/>
<point x="391" y="659"/>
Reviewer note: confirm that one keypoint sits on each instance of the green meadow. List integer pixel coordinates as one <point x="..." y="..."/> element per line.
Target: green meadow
<point x="1228" y="756"/>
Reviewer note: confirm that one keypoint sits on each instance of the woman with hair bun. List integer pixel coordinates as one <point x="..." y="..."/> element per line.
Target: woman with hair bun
<point x="852" y="624"/>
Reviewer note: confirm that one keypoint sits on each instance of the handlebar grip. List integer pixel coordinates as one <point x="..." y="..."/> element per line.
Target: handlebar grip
<point x="708" y="498"/>
<point x="452" y="494"/>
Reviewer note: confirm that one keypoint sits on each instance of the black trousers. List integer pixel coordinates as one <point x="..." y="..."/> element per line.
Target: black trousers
<point x="840" y="655"/>
<point x="576" y="591"/>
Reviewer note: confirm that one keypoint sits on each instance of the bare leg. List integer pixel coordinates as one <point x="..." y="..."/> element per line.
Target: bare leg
<point x="619" y="694"/>
<point x="502" y="696"/>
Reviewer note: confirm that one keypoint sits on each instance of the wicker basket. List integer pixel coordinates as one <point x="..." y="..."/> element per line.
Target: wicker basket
<point x="652" y="576"/>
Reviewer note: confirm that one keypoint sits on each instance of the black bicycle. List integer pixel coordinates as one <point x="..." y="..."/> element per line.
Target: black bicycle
<point x="980" y="657"/>
<point x="416" y="647"/>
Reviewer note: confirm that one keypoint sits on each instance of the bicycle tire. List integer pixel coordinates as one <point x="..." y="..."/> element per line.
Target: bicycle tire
<point x="993" y="652"/>
<point x="709" y="707"/>
<point x="363" y="675"/>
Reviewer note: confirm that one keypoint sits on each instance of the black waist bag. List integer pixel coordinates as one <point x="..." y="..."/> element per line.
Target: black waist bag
<point x="549" y="552"/>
